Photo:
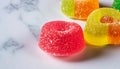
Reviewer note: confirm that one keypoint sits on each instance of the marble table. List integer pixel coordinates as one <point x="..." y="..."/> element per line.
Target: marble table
<point x="20" y="24"/>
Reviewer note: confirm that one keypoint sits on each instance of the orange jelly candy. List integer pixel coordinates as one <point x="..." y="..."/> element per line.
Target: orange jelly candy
<point x="114" y="33"/>
<point x="84" y="7"/>
<point x="79" y="9"/>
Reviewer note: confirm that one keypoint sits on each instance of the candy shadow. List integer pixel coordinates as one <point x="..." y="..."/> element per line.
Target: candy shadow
<point x="104" y="5"/>
<point x="89" y="53"/>
<point x="78" y="19"/>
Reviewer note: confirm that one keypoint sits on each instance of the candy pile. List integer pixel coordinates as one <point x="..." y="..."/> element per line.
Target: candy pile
<point x="61" y="38"/>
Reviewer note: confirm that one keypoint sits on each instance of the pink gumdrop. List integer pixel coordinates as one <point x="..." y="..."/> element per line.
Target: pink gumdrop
<point x="61" y="38"/>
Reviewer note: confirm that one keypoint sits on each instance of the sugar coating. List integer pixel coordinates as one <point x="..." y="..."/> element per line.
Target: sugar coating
<point x="103" y="27"/>
<point x="79" y="9"/>
<point x="67" y="7"/>
<point x="114" y="33"/>
<point x="61" y="38"/>
<point x="84" y="7"/>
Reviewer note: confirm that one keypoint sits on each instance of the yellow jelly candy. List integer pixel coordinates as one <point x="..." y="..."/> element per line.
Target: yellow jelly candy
<point x="103" y="27"/>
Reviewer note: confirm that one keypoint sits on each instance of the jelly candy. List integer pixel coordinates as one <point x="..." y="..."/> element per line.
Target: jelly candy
<point x="79" y="9"/>
<point x="103" y="27"/>
<point x="116" y="4"/>
<point x="61" y="38"/>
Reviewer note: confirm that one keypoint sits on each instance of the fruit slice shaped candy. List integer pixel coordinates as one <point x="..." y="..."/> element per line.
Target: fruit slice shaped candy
<point x="61" y="38"/>
<point x="79" y="9"/>
<point x="103" y="27"/>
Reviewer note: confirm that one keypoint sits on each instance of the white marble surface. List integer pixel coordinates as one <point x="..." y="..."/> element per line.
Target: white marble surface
<point x="20" y="23"/>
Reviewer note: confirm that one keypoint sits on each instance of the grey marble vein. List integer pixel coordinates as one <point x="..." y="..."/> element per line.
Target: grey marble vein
<point x="11" y="45"/>
<point x="29" y="5"/>
<point x="35" y="30"/>
<point x="12" y="7"/>
<point x="26" y="5"/>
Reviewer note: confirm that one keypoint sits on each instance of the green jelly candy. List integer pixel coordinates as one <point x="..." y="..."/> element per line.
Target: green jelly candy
<point x="116" y="5"/>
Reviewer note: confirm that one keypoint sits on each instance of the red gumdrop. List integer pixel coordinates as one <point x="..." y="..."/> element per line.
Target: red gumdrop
<point x="61" y="38"/>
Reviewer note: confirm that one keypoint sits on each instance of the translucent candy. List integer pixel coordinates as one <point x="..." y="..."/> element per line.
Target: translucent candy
<point x="79" y="9"/>
<point x="67" y="7"/>
<point x="103" y="27"/>
<point x="114" y="33"/>
<point x="60" y="38"/>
